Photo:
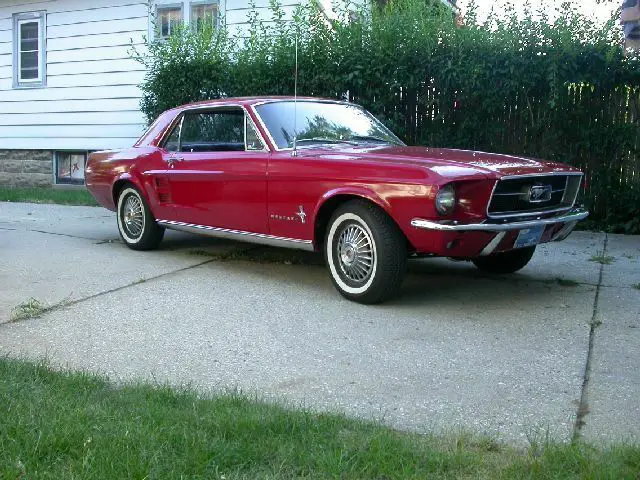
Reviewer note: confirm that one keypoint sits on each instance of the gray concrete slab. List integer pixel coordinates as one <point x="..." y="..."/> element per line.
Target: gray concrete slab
<point x="55" y="254"/>
<point x="500" y="355"/>
<point x="451" y="353"/>
<point x="613" y="392"/>
<point x="624" y="269"/>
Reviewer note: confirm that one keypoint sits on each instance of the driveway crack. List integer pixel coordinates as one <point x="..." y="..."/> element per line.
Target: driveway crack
<point x="68" y="303"/>
<point x="583" y="406"/>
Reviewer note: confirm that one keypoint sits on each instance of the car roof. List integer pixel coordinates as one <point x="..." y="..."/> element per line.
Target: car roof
<point x="247" y="101"/>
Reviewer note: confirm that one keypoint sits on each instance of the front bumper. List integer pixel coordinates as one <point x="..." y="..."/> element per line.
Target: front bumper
<point x="574" y="215"/>
<point x="478" y="239"/>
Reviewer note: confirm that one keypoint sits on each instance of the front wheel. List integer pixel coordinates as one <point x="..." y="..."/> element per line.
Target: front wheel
<point x="366" y="253"/>
<point x="138" y="229"/>
<point x="505" y="262"/>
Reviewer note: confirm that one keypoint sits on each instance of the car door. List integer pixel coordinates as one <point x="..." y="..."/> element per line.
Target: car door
<point x="217" y="171"/>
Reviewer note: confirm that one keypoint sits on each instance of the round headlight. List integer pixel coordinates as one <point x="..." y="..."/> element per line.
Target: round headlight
<point x="446" y="200"/>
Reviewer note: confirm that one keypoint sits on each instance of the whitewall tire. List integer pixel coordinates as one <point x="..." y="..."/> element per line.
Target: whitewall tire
<point x="366" y="253"/>
<point x="138" y="229"/>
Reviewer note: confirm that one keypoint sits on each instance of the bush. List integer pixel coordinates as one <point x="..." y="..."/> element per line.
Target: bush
<point x="562" y="91"/>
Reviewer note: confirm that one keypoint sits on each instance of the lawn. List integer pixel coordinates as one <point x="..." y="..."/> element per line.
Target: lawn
<point x="47" y="195"/>
<point x="76" y="425"/>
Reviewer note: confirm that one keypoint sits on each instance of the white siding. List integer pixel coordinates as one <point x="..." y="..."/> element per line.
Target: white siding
<point x="91" y="99"/>
<point x="235" y="14"/>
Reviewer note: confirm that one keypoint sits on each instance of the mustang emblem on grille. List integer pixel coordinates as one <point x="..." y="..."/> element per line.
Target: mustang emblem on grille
<point x="539" y="193"/>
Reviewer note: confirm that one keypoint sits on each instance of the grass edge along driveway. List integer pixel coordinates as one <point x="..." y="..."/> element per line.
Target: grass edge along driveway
<point x="76" y="196"/>
<point x="78" y="425"/>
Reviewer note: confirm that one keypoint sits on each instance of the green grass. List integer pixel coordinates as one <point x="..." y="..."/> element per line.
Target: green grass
<point x="602" y="259"/>
<point x="47" y="195"/>
<point x="636" y="286"/>
<point x="76" y="425"/>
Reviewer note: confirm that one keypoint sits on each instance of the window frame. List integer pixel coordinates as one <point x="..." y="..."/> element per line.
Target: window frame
<point x="69" y="180"/>
<point x="185" y="11"/>
<point x="19" y="19"/>
<point x="157" y="28"/>
<point x="179" y="120"/>
<point x="197" y="3"/>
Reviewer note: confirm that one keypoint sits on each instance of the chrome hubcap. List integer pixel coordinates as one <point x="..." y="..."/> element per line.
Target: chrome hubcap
<point x="133" y="216"/>
<point x="355" y="253"/>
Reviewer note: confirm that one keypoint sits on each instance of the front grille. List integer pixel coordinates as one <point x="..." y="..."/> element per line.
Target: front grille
<point x="537" y="193"/>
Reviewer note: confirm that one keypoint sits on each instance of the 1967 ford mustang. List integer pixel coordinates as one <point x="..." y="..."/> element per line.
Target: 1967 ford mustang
<point x="337" y="181"/>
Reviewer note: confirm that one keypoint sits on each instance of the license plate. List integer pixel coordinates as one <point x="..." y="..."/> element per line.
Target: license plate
<point x="529" y="237"/>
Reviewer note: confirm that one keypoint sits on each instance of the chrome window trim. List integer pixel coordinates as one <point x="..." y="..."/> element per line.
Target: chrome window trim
<point x="197" y="108"/>
<point x="529" y="213"/>
<point x="274" y="145"/>
<point x="551" y="174"/>
<point x="253" y="237"/>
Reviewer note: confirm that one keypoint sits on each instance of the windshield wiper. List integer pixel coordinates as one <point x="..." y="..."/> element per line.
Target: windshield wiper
<point x="324" y="140"/>
<point x="370" y="138"/>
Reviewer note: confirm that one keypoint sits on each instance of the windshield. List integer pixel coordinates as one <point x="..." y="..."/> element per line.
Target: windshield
<point x="322" y="122"/>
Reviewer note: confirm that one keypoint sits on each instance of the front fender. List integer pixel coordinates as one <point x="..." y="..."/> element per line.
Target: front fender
<point x="352" y="191"/>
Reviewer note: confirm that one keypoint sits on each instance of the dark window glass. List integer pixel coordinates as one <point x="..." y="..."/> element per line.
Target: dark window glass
<point x="29" y="55"/>
<point x="213" y="131"/>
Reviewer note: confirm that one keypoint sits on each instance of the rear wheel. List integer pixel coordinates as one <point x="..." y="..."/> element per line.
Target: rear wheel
<point x="505" y="262"/>
<point x="366" y="253"/>
<point x="138" y="229"/>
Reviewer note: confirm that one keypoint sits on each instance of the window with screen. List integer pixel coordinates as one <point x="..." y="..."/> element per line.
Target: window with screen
<point x="29" y="49"/>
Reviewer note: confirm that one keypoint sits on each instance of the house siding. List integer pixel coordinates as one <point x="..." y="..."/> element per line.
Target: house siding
<point x="91" y="98"/>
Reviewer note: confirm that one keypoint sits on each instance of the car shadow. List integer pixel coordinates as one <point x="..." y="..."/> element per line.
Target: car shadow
<point x="429" y="281"/>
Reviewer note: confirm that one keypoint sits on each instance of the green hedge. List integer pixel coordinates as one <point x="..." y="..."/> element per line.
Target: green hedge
<point x="562" y="91"/>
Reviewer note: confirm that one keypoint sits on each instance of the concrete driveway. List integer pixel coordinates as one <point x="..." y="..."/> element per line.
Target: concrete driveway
<point x="553" y="350"/>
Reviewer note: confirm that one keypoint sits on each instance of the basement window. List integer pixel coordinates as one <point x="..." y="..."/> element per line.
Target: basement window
<point x="29" y="62"/>
<point x="69" y="167"/>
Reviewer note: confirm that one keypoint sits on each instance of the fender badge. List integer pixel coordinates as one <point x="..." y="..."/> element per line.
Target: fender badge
<point x="301" y="214"/>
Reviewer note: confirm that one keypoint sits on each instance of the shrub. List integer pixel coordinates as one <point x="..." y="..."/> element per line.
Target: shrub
<point x="562" y="91"/>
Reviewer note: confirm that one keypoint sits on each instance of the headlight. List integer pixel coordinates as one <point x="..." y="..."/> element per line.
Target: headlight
<point x="446" y="200"/>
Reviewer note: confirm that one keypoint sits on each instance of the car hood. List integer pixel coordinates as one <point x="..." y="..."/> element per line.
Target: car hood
<point x="446" y="162"/>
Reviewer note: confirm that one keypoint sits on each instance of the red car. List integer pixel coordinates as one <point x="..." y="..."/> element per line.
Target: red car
<point x="327" y="176"/>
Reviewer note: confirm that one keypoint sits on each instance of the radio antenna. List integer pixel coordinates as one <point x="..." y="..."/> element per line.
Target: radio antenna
<point x="295" y="100"/>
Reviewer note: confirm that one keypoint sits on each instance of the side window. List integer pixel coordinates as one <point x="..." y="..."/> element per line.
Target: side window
<point x="173" y="142"/>
<point x="253" y="140"/>
<point x="217" y="131"/>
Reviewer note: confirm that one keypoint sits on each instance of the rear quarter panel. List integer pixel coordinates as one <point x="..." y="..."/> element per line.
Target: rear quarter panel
<point x="137" y="165"/>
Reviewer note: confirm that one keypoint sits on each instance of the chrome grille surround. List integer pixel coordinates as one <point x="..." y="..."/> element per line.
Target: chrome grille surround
<point x="510" y="195"/>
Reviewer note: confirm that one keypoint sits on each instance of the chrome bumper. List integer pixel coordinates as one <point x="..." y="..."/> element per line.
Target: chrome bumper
<point x="572" y="216"/>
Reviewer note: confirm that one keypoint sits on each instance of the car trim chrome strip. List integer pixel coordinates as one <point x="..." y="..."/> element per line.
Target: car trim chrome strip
<point x="253" y="237"/>
<point x="573" y="216"/>
<point x="550" y="174"/>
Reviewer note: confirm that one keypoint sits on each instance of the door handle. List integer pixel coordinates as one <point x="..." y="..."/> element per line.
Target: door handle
<point x="175" y="158"/>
